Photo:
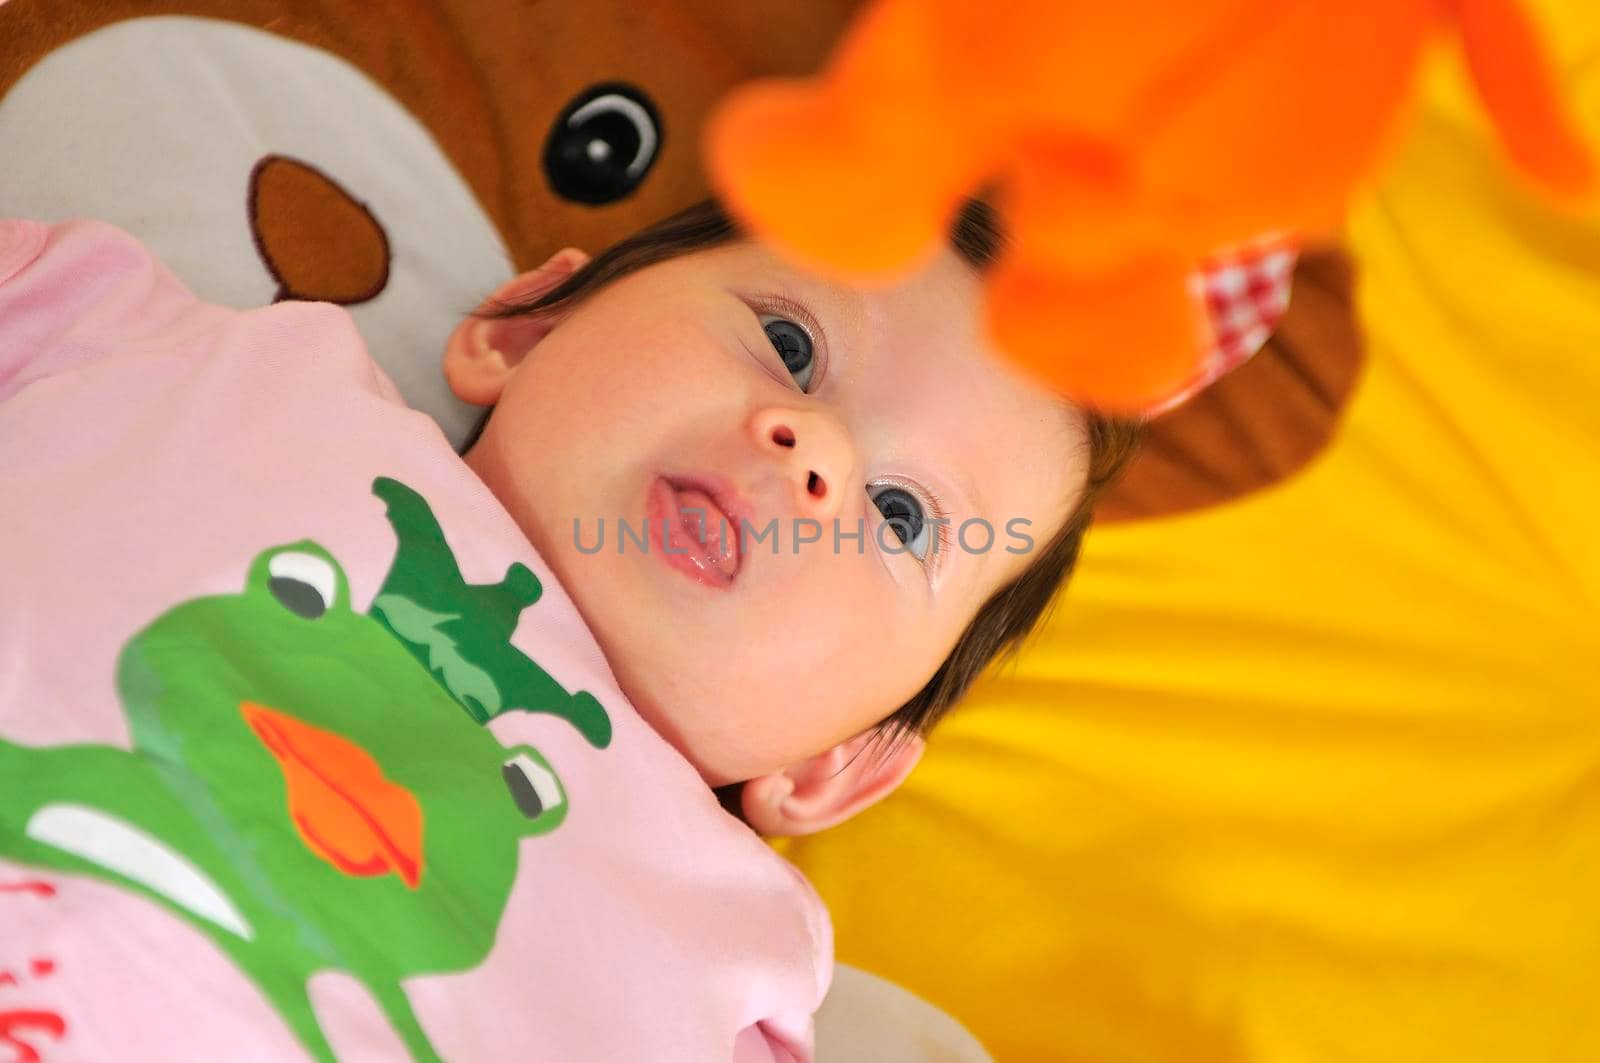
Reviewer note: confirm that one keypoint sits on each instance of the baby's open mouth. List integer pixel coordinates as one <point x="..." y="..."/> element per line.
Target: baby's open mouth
<point x="693" y="525"/>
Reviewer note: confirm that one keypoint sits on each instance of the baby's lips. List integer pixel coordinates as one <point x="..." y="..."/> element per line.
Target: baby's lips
<point x="339" y="801"/>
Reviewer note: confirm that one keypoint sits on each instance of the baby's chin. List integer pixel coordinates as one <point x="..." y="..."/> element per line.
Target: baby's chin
<point x="705" y="755"/>
<point x="690" y="713"/>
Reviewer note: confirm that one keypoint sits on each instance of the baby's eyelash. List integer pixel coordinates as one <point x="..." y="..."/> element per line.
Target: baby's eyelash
<point x="943" y="526"/>
<point x="785" y="307"/>
<point x="937" y="509"/>
<point x="942" y="529"/>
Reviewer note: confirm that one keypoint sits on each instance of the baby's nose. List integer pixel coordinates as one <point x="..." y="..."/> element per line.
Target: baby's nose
<point x="813" y="448"/>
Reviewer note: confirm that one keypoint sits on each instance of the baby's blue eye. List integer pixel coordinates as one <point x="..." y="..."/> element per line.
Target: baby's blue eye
<point x="793" y="344"/>
<point x="904" y="513"/>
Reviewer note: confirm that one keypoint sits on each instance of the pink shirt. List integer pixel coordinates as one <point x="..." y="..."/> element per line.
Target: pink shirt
<point x="247" y="808"/>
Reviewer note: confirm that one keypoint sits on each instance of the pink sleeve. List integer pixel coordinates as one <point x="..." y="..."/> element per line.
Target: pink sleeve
<point x="70" y="292"/>
<point x="787" y="1035"/>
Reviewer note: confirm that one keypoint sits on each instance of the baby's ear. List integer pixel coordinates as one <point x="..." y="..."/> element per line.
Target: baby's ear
<point x="481" y="353"/>
<point x="830" y="787"/>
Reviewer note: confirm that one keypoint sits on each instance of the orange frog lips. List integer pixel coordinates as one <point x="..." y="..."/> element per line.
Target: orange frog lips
<point x="343" y="808"/>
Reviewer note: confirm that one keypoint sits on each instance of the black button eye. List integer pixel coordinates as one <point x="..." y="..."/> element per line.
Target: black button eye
<point x="603" y="143"/>
<point x="304" y="584"/>
<point x="533" y="786"/>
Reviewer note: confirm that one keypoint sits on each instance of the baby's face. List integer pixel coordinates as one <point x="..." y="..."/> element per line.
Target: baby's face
<point x="664" y="398"/>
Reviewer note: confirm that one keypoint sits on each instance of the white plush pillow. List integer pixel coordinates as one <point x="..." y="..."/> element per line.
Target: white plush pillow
<point x="867" y="1019"/>
<point x="156" y="124"/>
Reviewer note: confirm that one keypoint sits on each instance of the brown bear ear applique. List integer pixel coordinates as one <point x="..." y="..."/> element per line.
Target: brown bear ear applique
<point x="316" y="239"/>
<point x="1263" y="421"/>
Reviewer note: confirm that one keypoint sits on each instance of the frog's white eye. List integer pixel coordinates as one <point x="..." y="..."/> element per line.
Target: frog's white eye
<point x="304" y="584"/>
<point x="533" y="786"/>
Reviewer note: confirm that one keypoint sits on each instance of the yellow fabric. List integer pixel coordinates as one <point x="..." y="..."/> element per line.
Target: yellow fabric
<point x="1314" y="776"/>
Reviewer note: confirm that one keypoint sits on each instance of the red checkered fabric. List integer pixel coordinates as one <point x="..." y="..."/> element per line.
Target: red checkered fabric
<point x="1245" y="292"/>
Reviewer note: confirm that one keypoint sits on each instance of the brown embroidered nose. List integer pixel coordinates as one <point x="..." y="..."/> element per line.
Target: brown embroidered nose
<point x="316" y="239"/>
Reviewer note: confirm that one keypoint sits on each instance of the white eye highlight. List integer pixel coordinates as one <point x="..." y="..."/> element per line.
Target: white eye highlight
<point x="533" y="786"/>
<point x="644" y="127"/>
<point x="313" y="571"/>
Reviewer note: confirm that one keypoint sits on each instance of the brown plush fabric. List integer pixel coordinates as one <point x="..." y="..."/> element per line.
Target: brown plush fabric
<point x="1264" y="421"/>
<point x="349" y="262"/>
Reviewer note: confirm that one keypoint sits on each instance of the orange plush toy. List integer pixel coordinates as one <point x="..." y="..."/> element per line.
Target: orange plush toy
<point x="1128" y="141"/>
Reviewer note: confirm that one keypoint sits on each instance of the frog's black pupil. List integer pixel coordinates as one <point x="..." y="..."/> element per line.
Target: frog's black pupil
<point x="791" y="343"/>
<point x="902" y="512"/>
<point x="297" y="596"/>
<point x="522" y="791"/>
